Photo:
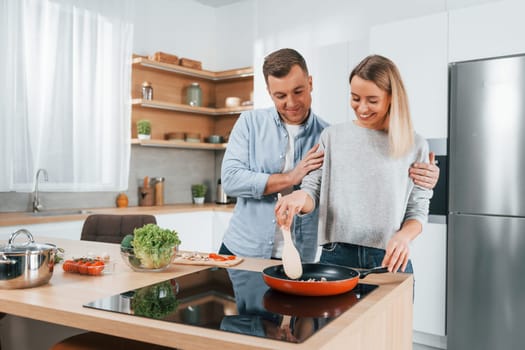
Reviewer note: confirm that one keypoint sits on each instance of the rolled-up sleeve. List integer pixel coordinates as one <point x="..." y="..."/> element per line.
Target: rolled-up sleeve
<point x="419" y="198"/>
<point x="238" y="180"/>
<point x="311" y="183"/>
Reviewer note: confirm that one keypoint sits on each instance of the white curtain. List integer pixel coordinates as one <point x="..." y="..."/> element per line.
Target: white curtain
<point x="65" y="75"/>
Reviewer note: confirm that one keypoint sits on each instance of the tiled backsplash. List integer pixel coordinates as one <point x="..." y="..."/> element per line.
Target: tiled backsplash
<point x="179" y="167"/>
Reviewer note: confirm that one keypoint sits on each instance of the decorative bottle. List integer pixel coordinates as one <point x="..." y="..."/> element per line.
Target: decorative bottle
<point x="147" y="91"/>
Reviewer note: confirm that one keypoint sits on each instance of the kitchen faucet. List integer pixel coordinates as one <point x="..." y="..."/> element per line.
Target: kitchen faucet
<point x="36" y="200"/>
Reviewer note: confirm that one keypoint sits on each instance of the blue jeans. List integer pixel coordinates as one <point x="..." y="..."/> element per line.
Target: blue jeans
<point x="224" y="250"/>
<point x="355" y="256"/>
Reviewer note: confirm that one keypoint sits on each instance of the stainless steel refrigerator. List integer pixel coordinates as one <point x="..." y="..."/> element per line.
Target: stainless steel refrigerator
<point x="486" y="220"/>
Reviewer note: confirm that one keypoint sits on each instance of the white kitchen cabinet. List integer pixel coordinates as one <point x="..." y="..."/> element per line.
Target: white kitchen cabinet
<point x="63" y="229"/>
<point x="199" y="231"/>
<point x="419" y="49"/>
<point x="330" y="96"/>
<point x="487" y="30"/>
<point x="428" y="255"/>
<point x="194" y="229"/>
<point x="221" y="220"/>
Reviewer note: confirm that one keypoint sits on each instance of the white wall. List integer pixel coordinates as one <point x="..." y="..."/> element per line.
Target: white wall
<point x="334" y="35"/>
<point x="421" y="56"/>
<point x="235" y="32"/>
<point x="489" y="30"/>
<point x="221" y="38"/>
<point x="184" y="28"/>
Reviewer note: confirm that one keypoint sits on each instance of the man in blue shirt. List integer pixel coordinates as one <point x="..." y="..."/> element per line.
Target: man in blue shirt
<point x="269" y="152"/>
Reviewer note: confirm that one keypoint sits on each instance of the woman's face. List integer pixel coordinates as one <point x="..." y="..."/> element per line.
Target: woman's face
<point x="370" y="103"/>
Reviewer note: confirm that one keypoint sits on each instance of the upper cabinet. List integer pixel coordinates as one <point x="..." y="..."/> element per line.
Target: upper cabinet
<point x="488" y="30"/>
<point x="169" y="112"/>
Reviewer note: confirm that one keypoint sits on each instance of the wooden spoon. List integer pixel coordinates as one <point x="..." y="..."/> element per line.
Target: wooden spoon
<point x="291" y="259"/>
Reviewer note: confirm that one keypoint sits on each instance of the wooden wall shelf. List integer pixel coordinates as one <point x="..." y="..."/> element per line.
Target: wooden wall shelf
<point x="169" y="112"/>
<point x="180" y="144"/>
<point x="204" y="74"/>
<point x="189" y="109"/>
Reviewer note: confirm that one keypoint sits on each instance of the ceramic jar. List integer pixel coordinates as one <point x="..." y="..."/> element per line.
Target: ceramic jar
<point x="122" y="200"/>
<point x="194" y="95"/>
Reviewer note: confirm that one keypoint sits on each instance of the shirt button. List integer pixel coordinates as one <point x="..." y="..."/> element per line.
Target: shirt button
<point x="273" y="220"/>
<point x="270" y="242"/>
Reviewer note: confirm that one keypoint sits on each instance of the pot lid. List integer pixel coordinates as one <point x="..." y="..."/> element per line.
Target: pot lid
<point x="28" y="246"/>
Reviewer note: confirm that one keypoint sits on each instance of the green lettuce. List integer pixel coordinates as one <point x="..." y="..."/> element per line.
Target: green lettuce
<point x="154" y="246"/>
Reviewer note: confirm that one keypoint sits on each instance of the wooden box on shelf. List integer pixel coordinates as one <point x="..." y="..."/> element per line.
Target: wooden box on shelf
<point x="165" y="58"/>
<point x="186" y="62"/>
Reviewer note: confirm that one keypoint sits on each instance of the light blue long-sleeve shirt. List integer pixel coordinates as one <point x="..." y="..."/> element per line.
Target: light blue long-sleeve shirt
<point x="256" y="149"/>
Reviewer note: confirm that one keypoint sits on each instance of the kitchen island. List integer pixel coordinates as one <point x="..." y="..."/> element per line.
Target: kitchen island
<point x="382" y="320"/>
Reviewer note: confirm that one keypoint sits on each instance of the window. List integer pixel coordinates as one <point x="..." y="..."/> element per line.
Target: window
<point x="65" y="106"/>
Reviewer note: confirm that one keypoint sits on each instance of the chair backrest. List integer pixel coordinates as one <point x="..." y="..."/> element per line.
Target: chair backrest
<point x="112" y="228"/>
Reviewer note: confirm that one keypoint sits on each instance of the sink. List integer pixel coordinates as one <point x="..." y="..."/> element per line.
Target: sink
<point x="61" y="212"/>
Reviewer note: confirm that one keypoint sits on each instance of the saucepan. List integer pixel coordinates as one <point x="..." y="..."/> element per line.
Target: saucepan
<point x="26" y="265"/>
<point x="317" y="279"/>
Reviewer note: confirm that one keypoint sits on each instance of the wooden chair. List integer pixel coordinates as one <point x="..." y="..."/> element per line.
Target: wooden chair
<point x="99" y="341"/>
<point x="112" y="228"/>
<point x="109" y="229"/>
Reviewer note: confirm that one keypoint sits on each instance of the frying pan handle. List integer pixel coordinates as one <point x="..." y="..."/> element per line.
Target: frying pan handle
<point x="379" y="269"/>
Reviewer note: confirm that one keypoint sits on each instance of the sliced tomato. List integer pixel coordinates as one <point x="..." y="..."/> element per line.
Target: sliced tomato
<point x="217" y="257"/>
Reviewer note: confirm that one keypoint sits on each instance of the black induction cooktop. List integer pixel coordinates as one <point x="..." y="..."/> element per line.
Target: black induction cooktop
<point x="233" y="300"/>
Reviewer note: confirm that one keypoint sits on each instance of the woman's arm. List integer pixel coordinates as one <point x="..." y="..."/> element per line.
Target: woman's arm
<point x="312" y="160"/>
<point x="297" y="202"/>
<point x="398" y="247"/>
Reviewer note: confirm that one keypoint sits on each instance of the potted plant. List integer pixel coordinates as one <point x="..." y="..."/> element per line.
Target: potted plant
<point x="144" y="129"/>
<point x="198" y="192"/>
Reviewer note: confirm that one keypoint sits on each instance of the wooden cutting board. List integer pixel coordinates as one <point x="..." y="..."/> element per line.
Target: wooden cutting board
<point x="180" y="259"/>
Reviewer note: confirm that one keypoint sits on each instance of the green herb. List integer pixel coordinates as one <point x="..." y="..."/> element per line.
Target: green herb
<point x="199" y="190"/>
<point x="144" y="127"/>
<point x="59" y="256"/>
<point x="154" y="246"/>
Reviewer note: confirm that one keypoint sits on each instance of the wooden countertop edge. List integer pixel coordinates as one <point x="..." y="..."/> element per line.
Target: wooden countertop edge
<point x="28" y="218"/>
<point x="183" y="336"/>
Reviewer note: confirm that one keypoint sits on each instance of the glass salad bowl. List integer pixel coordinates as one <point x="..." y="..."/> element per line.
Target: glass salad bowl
<point x="153" y="261"/>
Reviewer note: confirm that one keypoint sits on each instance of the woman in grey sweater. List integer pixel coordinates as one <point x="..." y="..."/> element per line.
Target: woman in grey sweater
<point x="369" y="208"/>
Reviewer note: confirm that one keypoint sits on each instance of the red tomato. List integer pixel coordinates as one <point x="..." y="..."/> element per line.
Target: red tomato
<point x="70" y="266"/>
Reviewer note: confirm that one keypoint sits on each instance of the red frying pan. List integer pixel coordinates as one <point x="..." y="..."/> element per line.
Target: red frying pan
<point x="317" y="279"/>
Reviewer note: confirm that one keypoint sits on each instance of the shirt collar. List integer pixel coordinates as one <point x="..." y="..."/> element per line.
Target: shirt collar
<point x="306" y="124"/>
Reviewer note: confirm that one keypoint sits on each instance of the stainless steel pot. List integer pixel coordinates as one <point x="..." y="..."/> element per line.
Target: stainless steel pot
<point x="26" y="265"/>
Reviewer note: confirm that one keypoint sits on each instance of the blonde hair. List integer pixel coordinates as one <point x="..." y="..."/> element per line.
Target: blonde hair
<point x="384" y="73"/>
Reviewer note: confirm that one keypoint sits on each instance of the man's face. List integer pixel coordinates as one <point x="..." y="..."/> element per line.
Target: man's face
<point x="292" y="95"/>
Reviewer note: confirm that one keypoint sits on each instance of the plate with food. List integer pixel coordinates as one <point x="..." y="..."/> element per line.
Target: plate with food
<point x="206" y="259"/>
